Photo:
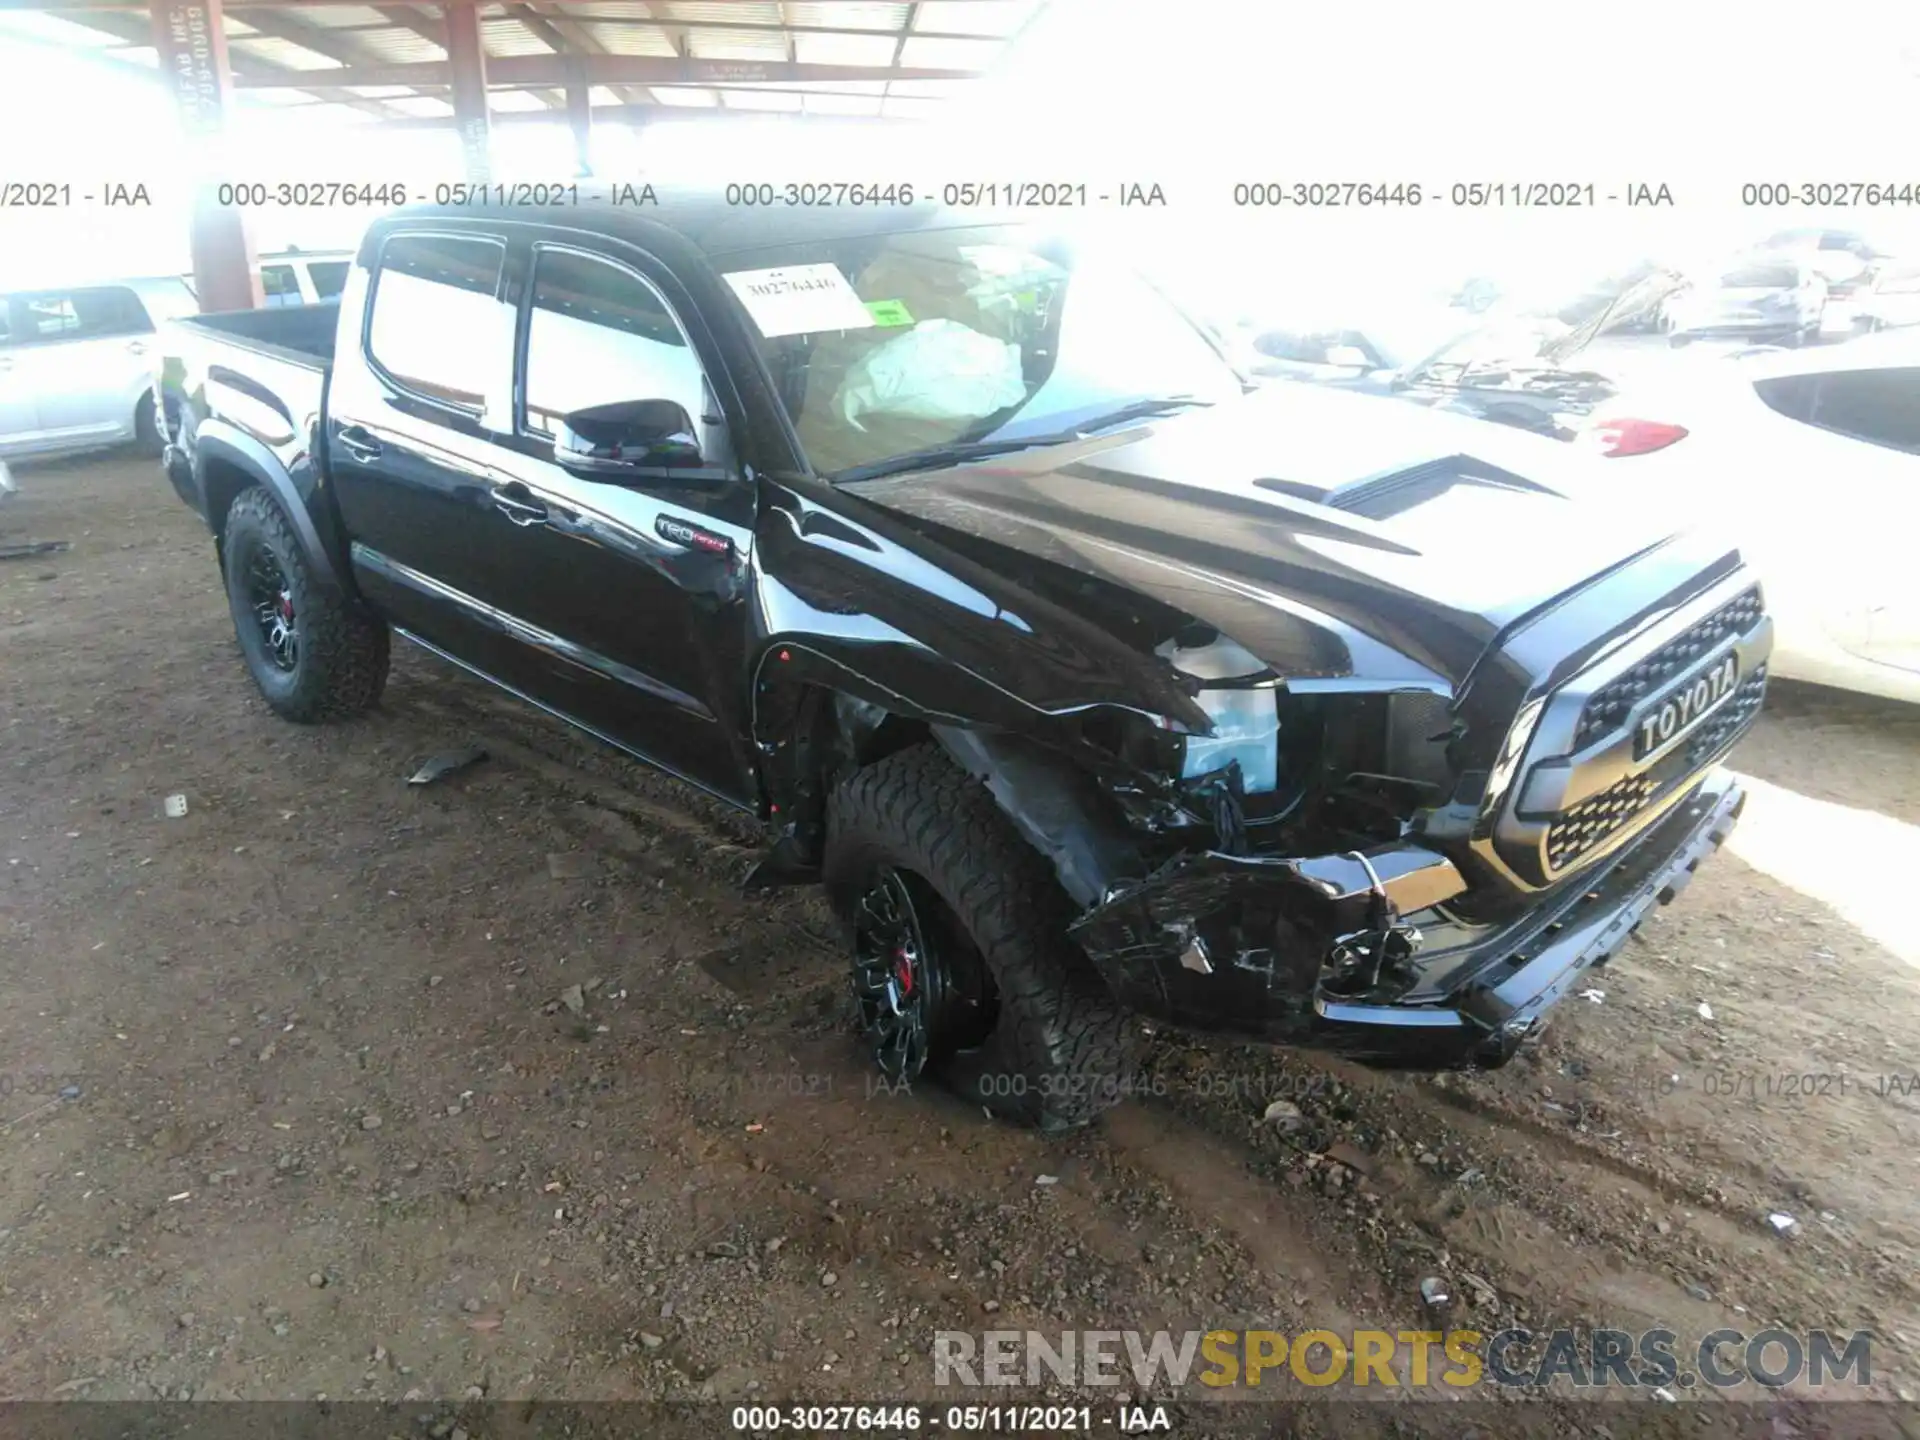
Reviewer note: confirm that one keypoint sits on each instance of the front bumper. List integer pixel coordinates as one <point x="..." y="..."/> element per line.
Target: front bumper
<point x="1489" y="998"/>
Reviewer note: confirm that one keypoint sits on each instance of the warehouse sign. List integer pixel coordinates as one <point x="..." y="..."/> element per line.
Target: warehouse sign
<point x="193" y="62"/>
<point x="723" y="71"/>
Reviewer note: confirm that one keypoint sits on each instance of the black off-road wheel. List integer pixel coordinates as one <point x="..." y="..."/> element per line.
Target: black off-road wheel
<point x="314" y="653"/>
<point x="962" y="967"/>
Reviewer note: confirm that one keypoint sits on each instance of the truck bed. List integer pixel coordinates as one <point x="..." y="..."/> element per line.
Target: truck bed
<point x="235" y="382"/>
<point x="302" y="334"/>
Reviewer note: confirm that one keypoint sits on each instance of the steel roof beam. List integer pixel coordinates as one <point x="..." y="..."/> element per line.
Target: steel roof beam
<point x="519" y="72"/>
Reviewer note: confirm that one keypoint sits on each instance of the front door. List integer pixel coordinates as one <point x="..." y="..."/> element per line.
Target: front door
<point x="639" y="584"/>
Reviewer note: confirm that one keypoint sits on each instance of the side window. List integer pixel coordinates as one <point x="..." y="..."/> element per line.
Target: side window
<point x="436" y="328"/>
<point x="54" y="316"/>
<point x="120" y="310"/>
<point x="49" y="317"/>
<point x="600" y="334"/>
<point x="279" y="285"/>
<point x="329" y="277"/>
<point x="1878" y="406"/>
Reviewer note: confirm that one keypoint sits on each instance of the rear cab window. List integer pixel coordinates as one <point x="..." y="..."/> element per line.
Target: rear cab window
<point x="435" y="327"/>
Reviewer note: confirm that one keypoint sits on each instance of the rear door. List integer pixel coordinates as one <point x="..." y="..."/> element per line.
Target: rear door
<point x="81" y="357"/>
<point x="631" y="590"/>
<point x="415" y="407"/>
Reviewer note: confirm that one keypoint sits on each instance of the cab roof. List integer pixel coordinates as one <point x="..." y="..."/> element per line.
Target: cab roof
<point x="704" y="218"/>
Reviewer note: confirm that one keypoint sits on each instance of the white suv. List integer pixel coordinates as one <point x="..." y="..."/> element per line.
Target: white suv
<point x="76" y="361"/>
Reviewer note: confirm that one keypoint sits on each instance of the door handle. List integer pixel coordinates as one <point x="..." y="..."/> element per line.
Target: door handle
<point x="358" y="443"/>
<point x="136" y="347"/>
<point x="516" y="502"/>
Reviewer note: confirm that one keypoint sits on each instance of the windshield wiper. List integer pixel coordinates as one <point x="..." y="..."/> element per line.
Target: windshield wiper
<point x="1139" y="410"/>
<point x="935" y="457"/>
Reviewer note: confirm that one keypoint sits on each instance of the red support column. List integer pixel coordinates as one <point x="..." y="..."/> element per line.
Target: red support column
<point x="468" y="58"/>
<point x="193" y="62"/>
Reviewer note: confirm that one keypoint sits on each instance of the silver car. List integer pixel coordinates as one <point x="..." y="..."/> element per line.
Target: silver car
<point x="76" y="363"/>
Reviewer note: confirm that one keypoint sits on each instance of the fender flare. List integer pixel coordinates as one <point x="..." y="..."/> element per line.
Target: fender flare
<point x="217" y="440"/>
<point x="1053" y="807"/>
<point x="793" y="662"/>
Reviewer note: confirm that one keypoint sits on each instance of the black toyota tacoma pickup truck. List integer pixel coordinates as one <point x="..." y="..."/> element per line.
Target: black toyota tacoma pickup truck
<point x="1087" y="677"/>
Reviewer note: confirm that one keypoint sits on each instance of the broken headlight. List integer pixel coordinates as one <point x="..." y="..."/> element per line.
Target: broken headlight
<point x="1238" y="697"/>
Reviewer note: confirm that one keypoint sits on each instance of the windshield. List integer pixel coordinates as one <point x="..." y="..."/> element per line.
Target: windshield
<point x="882" y="346"/>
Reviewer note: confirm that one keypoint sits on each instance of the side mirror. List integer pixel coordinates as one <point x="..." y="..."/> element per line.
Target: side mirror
<point x="630" y="437"/>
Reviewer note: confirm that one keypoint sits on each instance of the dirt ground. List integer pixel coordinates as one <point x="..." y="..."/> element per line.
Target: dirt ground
<point x="296" y="1105"/>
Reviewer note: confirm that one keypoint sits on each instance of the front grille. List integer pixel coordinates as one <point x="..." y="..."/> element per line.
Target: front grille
<point x="1593" y="820"/>
<point x="1719" y="728"/>
<point x="1609" y="704"/>
<point x="1576" y="831"/>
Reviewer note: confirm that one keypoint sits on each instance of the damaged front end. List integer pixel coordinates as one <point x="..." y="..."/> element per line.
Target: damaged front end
<point x="1361" y="953"/>
<point x="1208" y="900"/>
<point x="1332" y="896"/>
<point x="1304" y="776"/>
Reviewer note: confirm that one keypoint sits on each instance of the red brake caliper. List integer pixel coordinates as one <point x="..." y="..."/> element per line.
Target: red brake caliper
<point x="903" y="970"/>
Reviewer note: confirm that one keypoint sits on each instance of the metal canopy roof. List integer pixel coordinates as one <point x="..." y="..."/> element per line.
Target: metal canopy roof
<point x="841" y="58"/>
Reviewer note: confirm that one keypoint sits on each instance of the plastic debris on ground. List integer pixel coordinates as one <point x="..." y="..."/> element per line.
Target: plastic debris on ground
<point x="447" y="762"/>
<point x="29" y="549"/>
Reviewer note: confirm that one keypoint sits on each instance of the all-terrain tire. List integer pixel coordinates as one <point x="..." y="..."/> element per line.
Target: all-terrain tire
<point x="341" y="664"/>
<point x="1057" y="1052"/>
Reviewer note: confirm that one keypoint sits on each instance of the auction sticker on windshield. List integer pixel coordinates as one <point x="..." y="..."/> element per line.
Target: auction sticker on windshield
<point x="799" y="300"/>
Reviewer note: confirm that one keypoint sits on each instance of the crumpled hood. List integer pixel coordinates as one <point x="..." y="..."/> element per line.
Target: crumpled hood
<point x="1246" y="516"/>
